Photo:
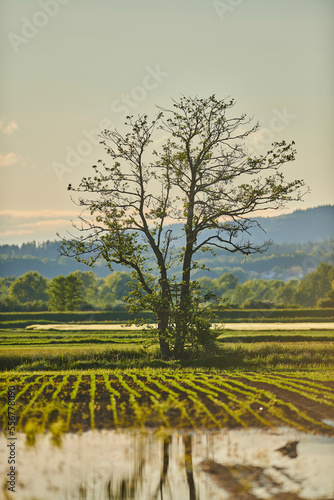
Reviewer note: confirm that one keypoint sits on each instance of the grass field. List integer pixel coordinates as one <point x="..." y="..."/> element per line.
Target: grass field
<point x="71" y="381"/>
<point x="26" y="350"/>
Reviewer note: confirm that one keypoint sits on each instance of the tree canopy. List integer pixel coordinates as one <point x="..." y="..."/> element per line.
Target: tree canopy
<point x="29" y="287"/>
<point x="204" y="178"/>
<point x="65" y="293"/>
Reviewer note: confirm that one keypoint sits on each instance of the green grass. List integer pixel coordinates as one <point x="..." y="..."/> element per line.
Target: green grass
<point x="276" y="336"/>
<point x="233" y="356"/>
<point x="21" y="337"/>
<point x="26" y="350"/>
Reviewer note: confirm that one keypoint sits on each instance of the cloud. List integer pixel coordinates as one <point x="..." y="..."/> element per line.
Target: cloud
<point x="43" y="225"/>
<point x="16" y="232"/>
<point x="38" y="214"/>
<point x="11" y="127"/>
<point x="40" y="229"/>
<point x="9" y="159"/>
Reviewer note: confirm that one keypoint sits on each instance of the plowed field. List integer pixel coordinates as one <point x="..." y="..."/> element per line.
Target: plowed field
<point x="178" y="399"/>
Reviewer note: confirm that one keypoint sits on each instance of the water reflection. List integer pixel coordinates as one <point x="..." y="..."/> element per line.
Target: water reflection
<point x="188" y="462"/>
<point x="114" y="465"/>
<point x="165" y="463"/>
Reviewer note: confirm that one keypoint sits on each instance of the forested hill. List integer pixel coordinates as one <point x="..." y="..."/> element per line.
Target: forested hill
<point x="301" y="226"/>
<point x="301" y="238"/>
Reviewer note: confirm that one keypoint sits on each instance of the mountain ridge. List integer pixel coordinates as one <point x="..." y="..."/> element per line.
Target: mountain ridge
<point x="297" y="237"/>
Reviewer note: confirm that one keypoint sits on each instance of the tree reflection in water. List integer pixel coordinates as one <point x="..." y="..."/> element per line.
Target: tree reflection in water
<point x="129" y="487"/>
<point x="165" y="463"/>
<point x="171" y="465"/>
<point x="187" y="442"/>
<point x="188" y="461"/>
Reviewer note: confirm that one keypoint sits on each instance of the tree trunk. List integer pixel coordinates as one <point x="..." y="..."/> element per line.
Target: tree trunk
<point x="162" y="331"/>
<point x="178" y="350"/>
<point x="164" y="348"/>
<point x="184" y="307"/>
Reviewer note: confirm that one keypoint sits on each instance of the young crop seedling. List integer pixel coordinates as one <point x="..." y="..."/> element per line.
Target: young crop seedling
<point x="113" y="395"/>
<point x="92" y="399"/>
<point x="73" y="395"/>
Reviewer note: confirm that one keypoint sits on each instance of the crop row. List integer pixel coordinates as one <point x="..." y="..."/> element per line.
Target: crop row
<point x="178" y="399"/>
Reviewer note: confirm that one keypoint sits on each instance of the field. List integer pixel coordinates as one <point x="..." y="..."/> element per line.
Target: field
<point x="79" y="401"/>
<point x="88" y="386"/>
<point x="80" y="380"/>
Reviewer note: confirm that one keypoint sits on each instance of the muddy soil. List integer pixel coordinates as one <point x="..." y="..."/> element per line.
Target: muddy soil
<point x="235" y="401"/>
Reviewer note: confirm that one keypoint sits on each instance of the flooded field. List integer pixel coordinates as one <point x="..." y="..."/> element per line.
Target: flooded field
<point x="98" y="418"/>
<point x="229" y="464"/>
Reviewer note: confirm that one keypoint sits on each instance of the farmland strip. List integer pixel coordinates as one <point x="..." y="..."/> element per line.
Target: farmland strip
<point x="173" y="397"/>
<point x="19" y="394"/>
<point x="276" y="412"/>
<point x="34" y="398"/>
<point x="73" y="395"/>
<point x="266" y="379"/>
<point x="113" y="394"/>
<point x="92" y="398"/>
<point x="302" y="381"/>
<point x="7" y="381"/>
<point x="272" y="398"/>
<point x="60" y="386"/>
<point x="193" y="396"/>
<point x="323" y="391"/>
<point x="244" y="404"/>
<point x="154" y="397"/>
<point x="133" y="394"/>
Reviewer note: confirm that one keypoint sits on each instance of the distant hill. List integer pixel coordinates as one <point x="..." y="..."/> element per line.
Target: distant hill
<point x="301" y="226"/>
<point x="297" y="238"/>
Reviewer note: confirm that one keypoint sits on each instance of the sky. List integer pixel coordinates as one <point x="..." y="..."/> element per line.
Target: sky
<point x="72" y="68"/>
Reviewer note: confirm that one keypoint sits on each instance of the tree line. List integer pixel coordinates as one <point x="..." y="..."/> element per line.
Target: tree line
<point x="84" y="291"/>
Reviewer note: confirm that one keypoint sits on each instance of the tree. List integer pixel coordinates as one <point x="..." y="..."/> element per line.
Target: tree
<point x="29" y="287"/>
<point x="118" y="284"/>
<point x="286" y="294"/>
<point x="203" y="178"/>
<point x="65" y="293"/>
<point x="227" y="281"/>
<point x="328" y="300"/>
<point x="5" y="284"/>
<point x="89" y="287"/>
<point x="315" y="286"/>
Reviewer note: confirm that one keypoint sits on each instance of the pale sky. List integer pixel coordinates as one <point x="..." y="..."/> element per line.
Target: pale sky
<point x="71" y="68"/>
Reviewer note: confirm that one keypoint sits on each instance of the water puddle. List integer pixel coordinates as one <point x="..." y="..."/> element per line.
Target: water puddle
<point x="230" y="464"/>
